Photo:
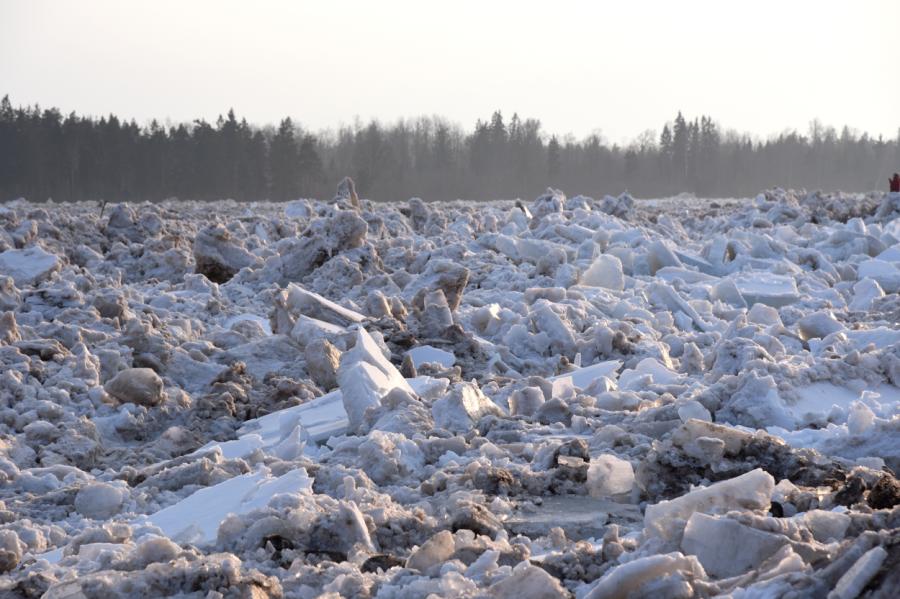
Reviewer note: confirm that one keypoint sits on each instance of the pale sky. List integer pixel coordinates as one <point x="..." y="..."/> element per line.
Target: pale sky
<point x="618" y="67"/>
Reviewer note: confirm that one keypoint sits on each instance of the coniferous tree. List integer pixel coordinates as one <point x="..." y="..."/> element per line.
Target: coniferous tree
<point x="284" y="159"/>
<point x="46" y="154"/>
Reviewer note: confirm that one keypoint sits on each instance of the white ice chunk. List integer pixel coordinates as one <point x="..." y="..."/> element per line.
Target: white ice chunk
<point x="424" y="354"/>
<point x="860" y="419"/>
<point x="764" y="315"/>
<point x="818" y="324"/>
<point x="825" y="526"/>
<point x="625" y="579"/>
<point x="365" y="376"/>
<point x="659" y="256"/>
<point x="263" y="322"/>
<point x="298" y="209"/>
<point x="865" y="292"/>
<point x="583" y="377"/>
<point x="630" y="379"/>
<point x="883" y="272"/>
<point x="858" y="576"/>
<point x="28" y="266"/>
<point x="726" y="547"/>
<point x="767" y="288"/>
<point x="462" y="408"/>
<point x="750" y="491"/>
<point x="693" y="409"/>
<point x="237" y="448"/>
<point x="303" y="301"/>
<point x="196" y="518"/>
<point x="609" y="475"/>
<point x="605" y="271"/>
<point x="321" y="418"/>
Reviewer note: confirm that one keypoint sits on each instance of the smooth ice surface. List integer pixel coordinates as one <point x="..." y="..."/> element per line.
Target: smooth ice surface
<point x="770" y="289"/>
<point x="749" y="491"/>
<point x="581" y="378"/>
<point x="429" y="354"/>
<point x="196" y="518"/>
<point x="28" y="265"/>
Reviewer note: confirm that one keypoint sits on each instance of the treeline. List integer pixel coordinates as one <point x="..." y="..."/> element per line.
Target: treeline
<point x="46" y="154"/>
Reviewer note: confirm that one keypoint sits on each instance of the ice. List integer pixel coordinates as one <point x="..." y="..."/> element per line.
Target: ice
<point x="322" y="418"/>
<point x="434" y="551"/>
<point x="605" y="271"/>
<point x="140" y="386"/>
<point x="883" y="272"/>
<point x="463" y="408"/>
<point x="857" y="577"/>
<point x="727" y="548"/>
<point x="313" y="305"/>
<point x="99" y="501"/>
<point x="609" y="390"/>
<point x="582" y="378"/>
<point x="365" y="376"/>
<point x="609" y="475"/>
<point x="818" y="325"/>
<point x="262" y="322"/>
<point x="528" y="582"/>
<point x="865" y="292"/>
<point x="769" y="289"/>
<point x="196" y="518"/>
<point x="428" y="354"/>
<point x="628" y="578"/>
<point x="750" y="491"/>
<point x="29" y="265"/>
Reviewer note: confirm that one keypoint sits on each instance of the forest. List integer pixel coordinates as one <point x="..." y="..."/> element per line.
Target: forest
<point x="45" y="153"/>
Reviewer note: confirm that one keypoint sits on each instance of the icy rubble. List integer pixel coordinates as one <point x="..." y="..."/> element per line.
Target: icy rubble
<point x="570" y="398"/>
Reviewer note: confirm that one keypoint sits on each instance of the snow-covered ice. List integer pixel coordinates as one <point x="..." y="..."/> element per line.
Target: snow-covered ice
<point x="560" y="398"/>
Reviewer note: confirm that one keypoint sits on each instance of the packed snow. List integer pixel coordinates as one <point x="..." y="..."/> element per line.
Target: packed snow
<point x="563" y="398"/>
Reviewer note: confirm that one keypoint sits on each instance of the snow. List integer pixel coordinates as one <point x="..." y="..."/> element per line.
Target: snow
<point x="611" y="390"/>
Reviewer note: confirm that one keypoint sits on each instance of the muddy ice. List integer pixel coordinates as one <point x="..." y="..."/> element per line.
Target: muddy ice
<point x="564" y="398"/>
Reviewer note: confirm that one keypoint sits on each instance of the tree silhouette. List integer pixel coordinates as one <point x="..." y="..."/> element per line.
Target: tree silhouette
<point x="44" y="154"/>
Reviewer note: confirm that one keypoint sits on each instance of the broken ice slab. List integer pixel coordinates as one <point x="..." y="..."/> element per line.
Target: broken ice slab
<point x="365" y="376"/>
<point x="631" y="378"/>
<point x="196" y="518"/>
<point x="885" y="273"/>
<point x="670" y="273"/>
<point x="627" y="579"/>
<point x="766" y="288"/>
<point x="428" y="354"/>
<point x="816" y="401"/>
<point x="28" y="266"/>
<point x="322" y="418"/>
<point x="580" y="516"/>
<point x="726" y="547"/>
<point x="696" y="261"/>
<point x="263" y="322"/>
<point x="583" y="377"/>
<point x="302" y="301"/>
<point x="663" y="294"/>
<point x="750" y="491"/>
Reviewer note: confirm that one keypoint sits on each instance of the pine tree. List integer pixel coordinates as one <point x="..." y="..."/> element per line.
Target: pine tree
<point x="283" y="163"/>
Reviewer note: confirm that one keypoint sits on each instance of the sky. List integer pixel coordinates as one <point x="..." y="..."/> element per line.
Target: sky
<point x="618" y="68"/>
